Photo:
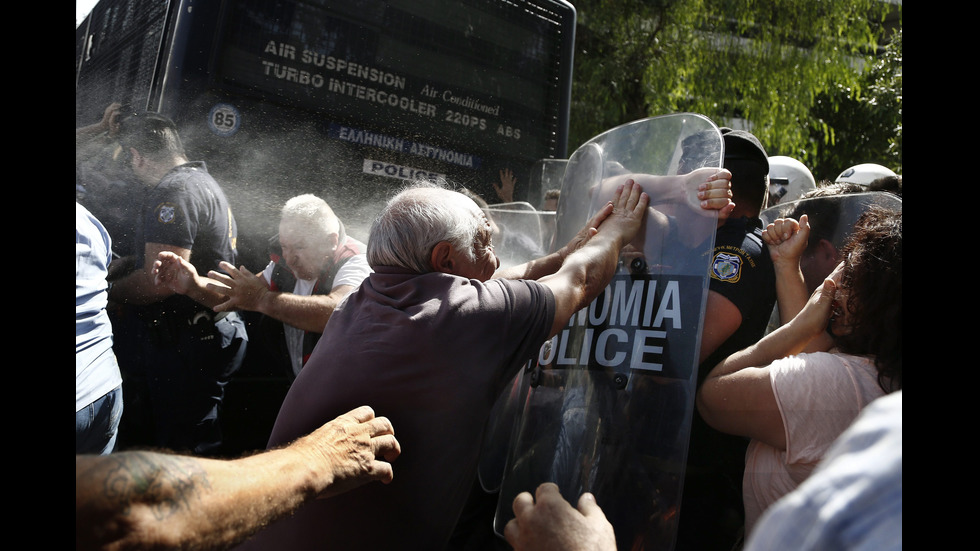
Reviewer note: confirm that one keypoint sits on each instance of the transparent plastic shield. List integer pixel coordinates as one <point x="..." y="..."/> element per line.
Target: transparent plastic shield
<point x="545" y="174"/>
<point x="832" y="219"/>
<point x="606" y="407"/>
<point x="499" y="431"/>
<point x="519" y="232"/>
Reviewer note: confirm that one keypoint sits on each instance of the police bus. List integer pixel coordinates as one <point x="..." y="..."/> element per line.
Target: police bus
<point x="346" y="99"/>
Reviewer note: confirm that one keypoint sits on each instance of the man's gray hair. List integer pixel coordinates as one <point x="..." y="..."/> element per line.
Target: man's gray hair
<point x="415" y="220"/>
<point x="310" y="211"/>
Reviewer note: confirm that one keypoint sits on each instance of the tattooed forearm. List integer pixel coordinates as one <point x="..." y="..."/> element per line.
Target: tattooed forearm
<point x="169" y="483"/>
<point x="149" y="500"/>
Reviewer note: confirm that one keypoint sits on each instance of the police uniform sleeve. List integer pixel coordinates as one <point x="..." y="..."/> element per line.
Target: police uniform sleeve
<point x="171" y="218"/>
<point x="738" y="271"/>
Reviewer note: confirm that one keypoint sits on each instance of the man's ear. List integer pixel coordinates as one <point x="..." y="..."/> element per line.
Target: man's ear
<point x="442" y="258"/>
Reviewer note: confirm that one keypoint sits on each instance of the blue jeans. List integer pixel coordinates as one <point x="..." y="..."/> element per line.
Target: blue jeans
<point x="97" y="424"/>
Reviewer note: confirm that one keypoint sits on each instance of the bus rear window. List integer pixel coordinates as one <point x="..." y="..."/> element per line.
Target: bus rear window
<point x="476" y="72"/>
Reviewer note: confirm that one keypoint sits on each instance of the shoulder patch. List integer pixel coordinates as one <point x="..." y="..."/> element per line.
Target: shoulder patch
<point x="726" y="267"/>
<point x="166" y="213"/>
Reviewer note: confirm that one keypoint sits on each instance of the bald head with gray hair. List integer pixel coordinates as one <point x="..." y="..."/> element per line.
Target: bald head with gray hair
<point x="416" y="219"/>
<point x="310" y="212"/>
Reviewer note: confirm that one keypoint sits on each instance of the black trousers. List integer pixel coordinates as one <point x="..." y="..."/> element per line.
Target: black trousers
<point x="174" y="377"/>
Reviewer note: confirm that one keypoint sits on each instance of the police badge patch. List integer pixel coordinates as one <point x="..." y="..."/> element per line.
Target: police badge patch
<point x="166" y="212"/>
<point x="726" y="267"/>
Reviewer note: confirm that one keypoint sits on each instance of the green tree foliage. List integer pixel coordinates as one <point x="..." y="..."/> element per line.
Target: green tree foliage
<point x="759" y="64"/>
<point x="862" y="125"/>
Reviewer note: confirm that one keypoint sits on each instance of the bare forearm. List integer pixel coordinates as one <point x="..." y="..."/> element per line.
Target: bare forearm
<point x="791" y="293"/>
<point x="737" y="396"/>
<point x="582" y="276"/>
<point x="147" y="500"/>
<point x="309" y="313"/>
<point x="534" y="269"/>
<point x="202" y="294"/>
<point x="598" y="260"/>
<point x="785" y="341"/>
<point x="792" y="297"/>
<point x="161" y="500"/>
<point x="89" y="139"/>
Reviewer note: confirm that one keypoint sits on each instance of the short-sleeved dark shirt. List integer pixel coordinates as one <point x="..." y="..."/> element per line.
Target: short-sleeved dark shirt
<point x="741" y="270"/>
<point x="188" y="209"/>
<point x="431" y="352"/>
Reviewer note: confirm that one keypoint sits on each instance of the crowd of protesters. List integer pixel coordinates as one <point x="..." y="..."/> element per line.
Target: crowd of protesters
<point x="423" y="324"/>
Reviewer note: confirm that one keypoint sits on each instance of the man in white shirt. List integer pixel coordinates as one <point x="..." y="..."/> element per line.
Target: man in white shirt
<point x="314" y="266"/>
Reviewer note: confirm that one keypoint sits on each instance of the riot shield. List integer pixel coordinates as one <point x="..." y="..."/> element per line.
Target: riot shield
<point x="545" y="174"/>
<point x="832" y="219"/>
<point x="519" y="232"/>
<point x="606" y="407"/>
<point x="520" y="236"/>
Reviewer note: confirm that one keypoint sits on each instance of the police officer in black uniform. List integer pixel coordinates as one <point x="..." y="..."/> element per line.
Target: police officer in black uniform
<point x="741" y="297"/>
<point x="176" y="354"/>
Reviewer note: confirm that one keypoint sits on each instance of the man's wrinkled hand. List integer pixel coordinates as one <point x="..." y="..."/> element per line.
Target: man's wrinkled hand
<point x="356" y="448"/>
<point x="243" y="289"/>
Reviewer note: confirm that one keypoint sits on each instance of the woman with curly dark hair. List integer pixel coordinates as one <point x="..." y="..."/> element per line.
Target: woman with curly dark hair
<point x="797" y="389"/>
<point x="873" y="275"/>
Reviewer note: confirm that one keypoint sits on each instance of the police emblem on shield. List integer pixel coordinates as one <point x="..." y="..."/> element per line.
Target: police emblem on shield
<point x="166" y="213"/>
<point x="726" y="267"/>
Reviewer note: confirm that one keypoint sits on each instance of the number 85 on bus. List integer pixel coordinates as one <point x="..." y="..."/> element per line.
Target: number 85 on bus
<point x="224" y="119"/>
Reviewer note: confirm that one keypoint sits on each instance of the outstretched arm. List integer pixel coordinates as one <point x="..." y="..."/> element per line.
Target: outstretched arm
<point x="681" y="189"/>
<point x="549" y="264"/>
<point x="737" y="397"/>
<point x="140" y="286"/>
<point x="708" y="190"/>
<point x="244" y="290"/>
<point x="586" y="271"/>
<point x="176" y="273"/>
<point x="108" y="125"/>
<point x="147" y="500"/>
<point x="668" y="194"/>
